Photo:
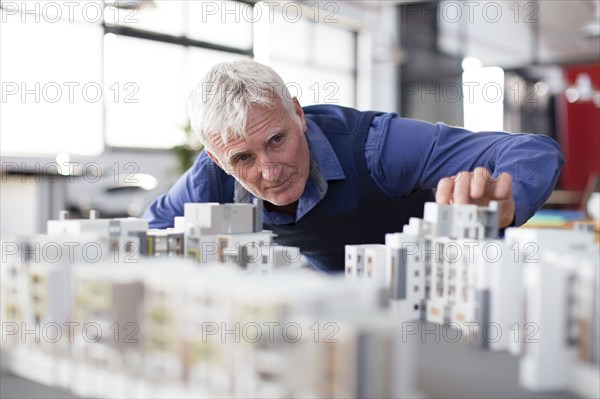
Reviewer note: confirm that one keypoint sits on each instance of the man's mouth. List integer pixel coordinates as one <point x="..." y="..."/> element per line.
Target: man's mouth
<point x="280" y="185"/>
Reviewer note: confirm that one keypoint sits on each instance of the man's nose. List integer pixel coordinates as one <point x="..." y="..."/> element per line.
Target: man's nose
<point x="271" y="171"/>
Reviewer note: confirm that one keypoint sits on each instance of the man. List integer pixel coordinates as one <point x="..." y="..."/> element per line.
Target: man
<point x="332" y="176"/>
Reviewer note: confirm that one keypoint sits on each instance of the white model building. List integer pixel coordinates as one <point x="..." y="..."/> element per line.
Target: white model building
<point x="230" y="232"/>
<point x="439" y="217"/>
<point x="213" y="218"/>
<point x="462" y="221"/>
<point x="106" y="300"/>
<point x="374" y="264"/>
<point x="439" y="304"/>
<point x="417" y="227"/>
<point x="526" y="246"/>
<point x="14" y="287"/>
<point x="277" y="257"/>
<point x="205" y="220"/>
<point x="38" y="295"/>
<point x="558" y="352"/>
<point x="405" y="263"/>
<point x="243" y="249"/>
<point x="49" y="308"/>
<point x="163" y="366"/>
<point x="357" y="265"/>
<point x="16" y="307"/>
<point x="303" y="327"/>
<point x="113" y="228"/>
<point x="162" y="242"/>
<point x="423" y="279"/>
<point x="585" y="371"/>
<point x="356" y="363"/>
<point x="208" y="363"/>
<point x="468" y="296"/>
<point x="124" y="238"/>
<point x="461" y="286"/>
<point x="354" y="264"/>
<point x="505" y="285"/>
<point x="550" y="348"/>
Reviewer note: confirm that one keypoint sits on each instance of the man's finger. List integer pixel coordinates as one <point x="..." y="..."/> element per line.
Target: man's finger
<point x="462" y="188"/>
<point x="444" y="190"/>
<point x="480" y="179"/>
<point x="503" y="189"/>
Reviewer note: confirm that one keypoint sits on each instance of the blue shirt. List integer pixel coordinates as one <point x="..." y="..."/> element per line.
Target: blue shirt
<point x="402" y="155"/>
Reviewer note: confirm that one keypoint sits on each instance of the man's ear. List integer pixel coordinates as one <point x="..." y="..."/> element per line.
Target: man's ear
<point x="300" y="113"/>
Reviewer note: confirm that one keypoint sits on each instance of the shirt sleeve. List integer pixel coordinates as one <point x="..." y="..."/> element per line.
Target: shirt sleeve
<point x="203" y="182"/>
<point x="404" y="155"/>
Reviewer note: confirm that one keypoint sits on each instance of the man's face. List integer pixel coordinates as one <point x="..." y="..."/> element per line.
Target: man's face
<point x="273" y="164"/>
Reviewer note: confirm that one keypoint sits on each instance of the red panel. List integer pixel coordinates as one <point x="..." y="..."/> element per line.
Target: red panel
<point x="580" y="132"/>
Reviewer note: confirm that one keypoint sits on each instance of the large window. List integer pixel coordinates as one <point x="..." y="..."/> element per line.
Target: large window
<point x="150" y="82"/>
<point x="315" y="57"/>
<point x="79" y="76"/>
<point x="50" y="76"/>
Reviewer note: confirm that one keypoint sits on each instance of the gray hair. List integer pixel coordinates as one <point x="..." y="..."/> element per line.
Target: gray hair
<point x="219" y="104"/>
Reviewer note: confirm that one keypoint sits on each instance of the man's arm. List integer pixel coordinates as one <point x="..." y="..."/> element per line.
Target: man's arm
<point x="203" y="182"/>
<point x="404" y="155"/>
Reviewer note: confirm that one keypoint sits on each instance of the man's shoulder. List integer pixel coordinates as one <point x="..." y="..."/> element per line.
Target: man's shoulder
<point x="330" y="110"/>
<point x="336" y="119"/>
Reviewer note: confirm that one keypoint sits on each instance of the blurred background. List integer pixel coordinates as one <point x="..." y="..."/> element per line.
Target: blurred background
<point x="93" y="110"/>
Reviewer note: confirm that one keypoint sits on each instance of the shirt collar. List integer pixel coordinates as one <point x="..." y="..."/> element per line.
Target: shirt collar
<point x="324" y="166"/>
<point x="323" y="152"/>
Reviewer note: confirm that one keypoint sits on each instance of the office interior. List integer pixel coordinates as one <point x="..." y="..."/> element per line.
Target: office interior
<point x="93" y="117"/>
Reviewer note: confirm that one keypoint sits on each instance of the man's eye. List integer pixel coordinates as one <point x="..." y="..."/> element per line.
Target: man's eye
<point x="277" y="138"/>
<point x="242" y="158"/>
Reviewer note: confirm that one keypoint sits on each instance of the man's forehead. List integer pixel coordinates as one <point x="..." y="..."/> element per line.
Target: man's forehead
<point x="261" y="120"/>
<point x="258" y="123"/>
<point x="225" y="148"/>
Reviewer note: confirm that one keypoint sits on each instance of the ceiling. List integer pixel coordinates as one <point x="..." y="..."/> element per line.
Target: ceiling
<point x="540" y="31"/>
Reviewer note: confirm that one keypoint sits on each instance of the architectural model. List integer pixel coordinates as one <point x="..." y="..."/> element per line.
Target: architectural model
<point x="450" y="268"/>
<point x="99" y="300"/>
<point x="215" y="308"/>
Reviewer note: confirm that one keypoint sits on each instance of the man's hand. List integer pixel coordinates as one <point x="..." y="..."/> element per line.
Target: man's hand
<point x="478" y="187"/>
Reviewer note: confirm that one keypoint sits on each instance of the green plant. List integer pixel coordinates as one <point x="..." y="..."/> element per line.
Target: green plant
<point x="186" y="153"/>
